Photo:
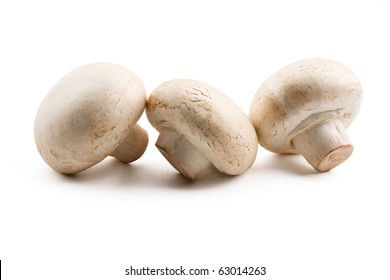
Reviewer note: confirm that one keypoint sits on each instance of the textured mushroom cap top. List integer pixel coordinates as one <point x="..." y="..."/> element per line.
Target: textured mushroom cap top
<point x="208" y="119"/>
<point x="87" y="114"/>
<point x="300" y="96"/>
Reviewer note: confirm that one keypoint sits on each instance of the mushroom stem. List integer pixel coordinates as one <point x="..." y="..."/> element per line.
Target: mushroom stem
<point x="325" y="145"/>
<point x="134" y="145"/>
<point x="181" y="154"/>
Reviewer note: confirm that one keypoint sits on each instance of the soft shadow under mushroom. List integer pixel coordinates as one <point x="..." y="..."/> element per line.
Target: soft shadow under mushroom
<point x="288" y="164"/>
<point x="113" y="173"/>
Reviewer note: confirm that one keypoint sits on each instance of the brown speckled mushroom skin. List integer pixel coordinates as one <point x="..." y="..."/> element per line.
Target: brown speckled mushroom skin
<point x="88" y="114"/>
<point x="305" y="108"/>
<point x="204" y="125"/>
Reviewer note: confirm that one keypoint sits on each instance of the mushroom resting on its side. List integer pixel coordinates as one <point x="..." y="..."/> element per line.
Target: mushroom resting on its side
<point x="201" y="128"/>
<point x="305" y="108"/>
<point x="89" y="114"/>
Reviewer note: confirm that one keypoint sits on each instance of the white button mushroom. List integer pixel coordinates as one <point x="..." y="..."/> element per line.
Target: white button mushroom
<point x="89" y="114"/>
<point x="305" y="108"/>
<point x="201" y="128"/>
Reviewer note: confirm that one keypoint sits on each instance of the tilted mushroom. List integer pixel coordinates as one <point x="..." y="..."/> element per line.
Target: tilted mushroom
<point x="201" y="128"/>
<point x="89" y="114"/>
<point x="305" y="108"/>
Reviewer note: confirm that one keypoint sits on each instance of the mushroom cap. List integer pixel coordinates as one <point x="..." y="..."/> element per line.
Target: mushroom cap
<point x="300" y="96"/>
<point x="208" y="119"/>
<point x="87" y="114"/>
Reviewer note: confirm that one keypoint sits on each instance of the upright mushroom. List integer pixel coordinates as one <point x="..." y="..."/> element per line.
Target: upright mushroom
<point x="200" y="128"/>
<point x="89" y="114"/>
<point x="305" y="108"/>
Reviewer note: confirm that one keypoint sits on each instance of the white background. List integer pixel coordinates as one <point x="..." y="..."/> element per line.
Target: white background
<point x="280" y="214"/>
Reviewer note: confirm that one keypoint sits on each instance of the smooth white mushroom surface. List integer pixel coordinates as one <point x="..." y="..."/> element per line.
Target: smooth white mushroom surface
<point x="201" y="128"/>
<point x="89" y="114"/>
<point x="305" y="108"/>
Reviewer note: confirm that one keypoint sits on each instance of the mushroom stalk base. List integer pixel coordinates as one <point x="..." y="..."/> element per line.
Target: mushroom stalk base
<point x="134" y="145"/>
<point x="325" y="145"/>
<point x="182" y="155"/>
